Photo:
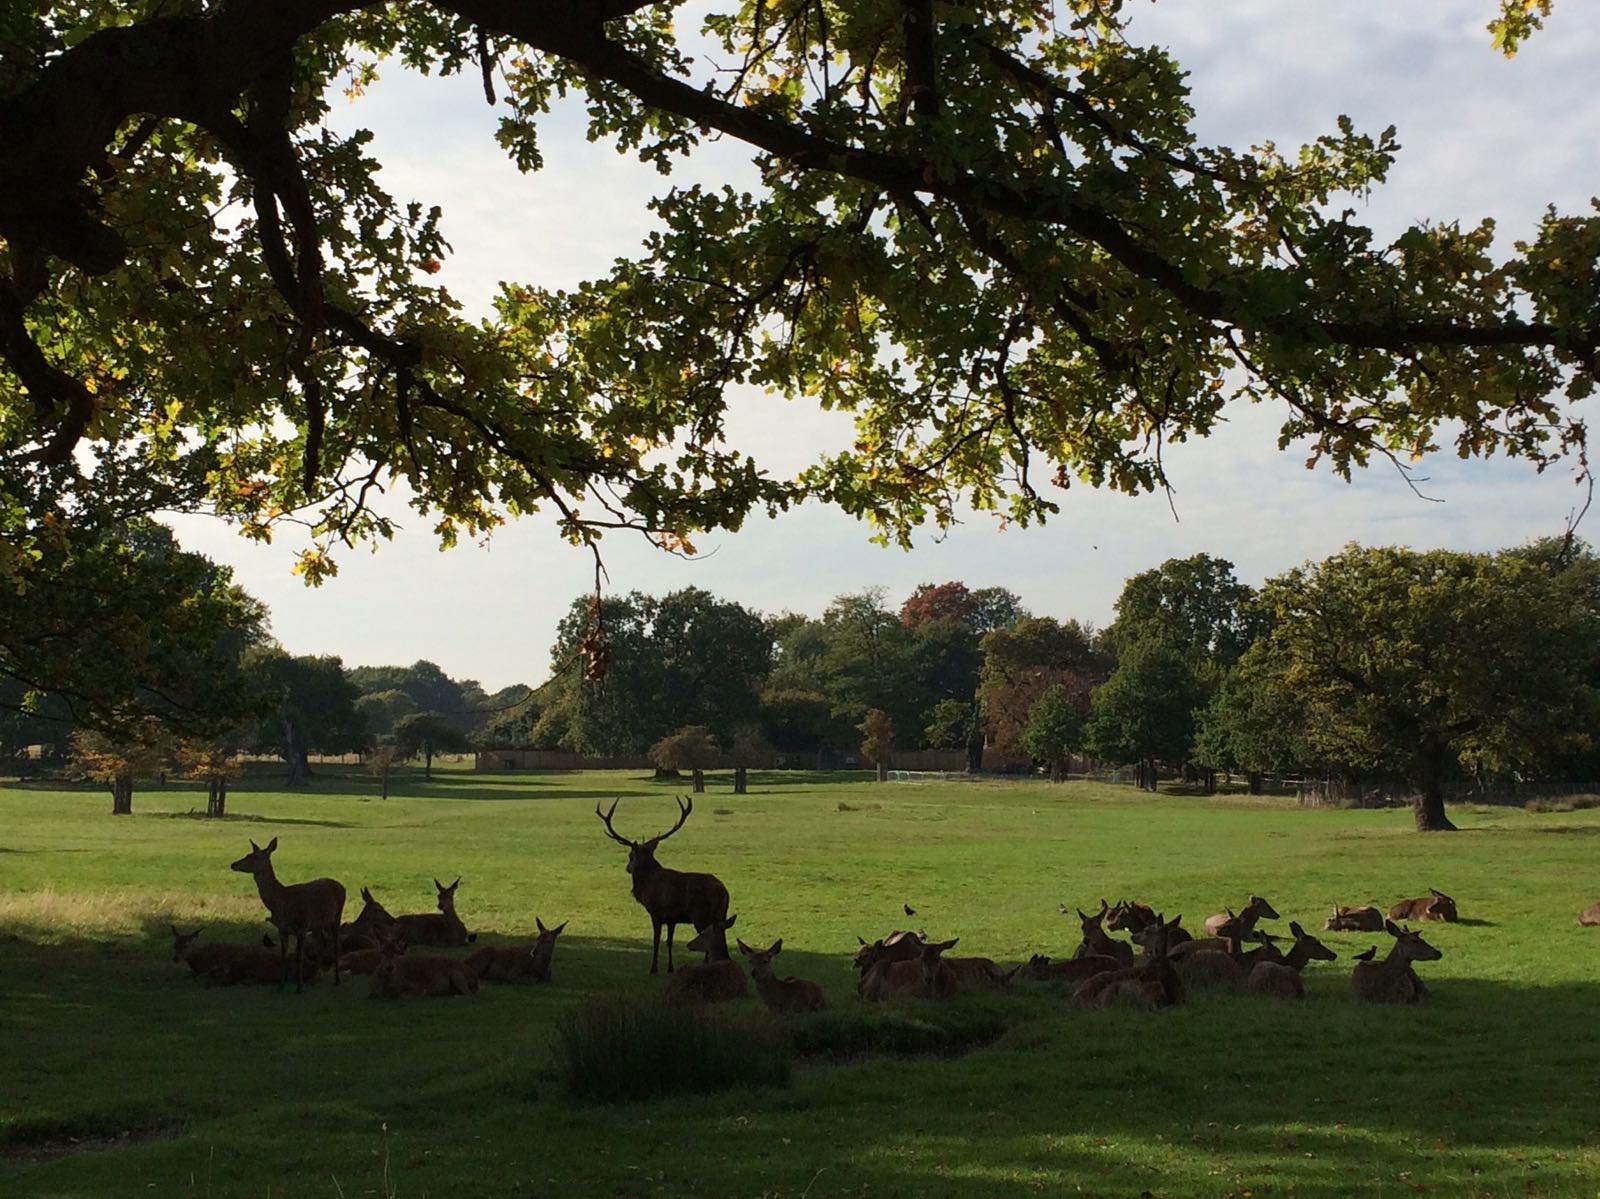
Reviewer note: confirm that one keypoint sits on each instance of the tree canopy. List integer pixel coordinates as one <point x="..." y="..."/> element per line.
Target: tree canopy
<point x="988" y="231"/>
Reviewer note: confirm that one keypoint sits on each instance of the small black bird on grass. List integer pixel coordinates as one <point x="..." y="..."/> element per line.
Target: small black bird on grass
<point x="910" y="911"/>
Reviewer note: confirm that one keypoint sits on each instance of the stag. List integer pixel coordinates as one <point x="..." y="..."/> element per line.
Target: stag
<point x="295" y="909"/>
<point x="1354" y="920"/>
<point x="672" y="897"/>
<point x="525" y="964"/>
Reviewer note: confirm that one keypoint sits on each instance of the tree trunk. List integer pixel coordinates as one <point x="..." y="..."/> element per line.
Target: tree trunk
<point x="883" y="772"/>
<point x="1428" y="806"/>
<point x="122" y="796"/>
<point x="294" y="752"/>
<point x="427" y="764"/>
<point x="216" y="796"/>
<point x="1253" y="782"/>
<point x="741" y="780"/>
<point x="663" y="774"/>
<point x="697" y="781"/>
<point x="975" y="741"/>
<point x="383" y="783"/>
<point x="1057" y="770"/>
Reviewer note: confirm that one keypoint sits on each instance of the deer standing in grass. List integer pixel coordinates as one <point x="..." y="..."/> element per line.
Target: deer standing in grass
<point x="524" y="964"/>
<point x="295" y="909"/>
<point x="1393" y="980"/>
<point x="672" y="897"/>
<point x="1282" y="977"/>
<point x="716" y="979"/>
<point x="443" y="927"/>
<point x="780" y="994"/>
<point x="923" y="976"/>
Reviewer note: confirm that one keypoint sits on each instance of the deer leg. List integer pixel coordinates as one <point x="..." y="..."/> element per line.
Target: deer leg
<point x="299" y="962"/>
<point x="335" y="935"/>
<point x="671" y="928"/>
<point x="655" y="949"/>
<point x="283" y="958"/>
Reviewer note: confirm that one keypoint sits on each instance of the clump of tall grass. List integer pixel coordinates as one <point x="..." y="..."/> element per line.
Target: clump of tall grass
<point x="49" y="915"/>
<point x="626" y="1049"/>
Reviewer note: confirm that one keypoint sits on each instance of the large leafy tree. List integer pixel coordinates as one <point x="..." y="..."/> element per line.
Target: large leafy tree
<point x="987" y="230"/>
<point x="1421" y="664"/>
<point x="1145" y="712"/>
<point x="313" y="708"/>
<point x="1023" y="661"/>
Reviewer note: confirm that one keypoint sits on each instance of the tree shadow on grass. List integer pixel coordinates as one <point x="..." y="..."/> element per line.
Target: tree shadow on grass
<point x="249" y="818"/>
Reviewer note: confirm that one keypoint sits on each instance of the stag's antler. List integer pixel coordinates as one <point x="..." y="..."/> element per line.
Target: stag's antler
<point x="685" y="806"/>
<point x="606" y="816"/>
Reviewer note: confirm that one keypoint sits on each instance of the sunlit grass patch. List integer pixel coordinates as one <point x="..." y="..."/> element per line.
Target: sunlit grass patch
<point x="51" y="915"/>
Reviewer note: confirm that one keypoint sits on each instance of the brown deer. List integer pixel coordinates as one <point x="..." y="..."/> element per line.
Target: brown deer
<point x="780" y="994"/>
<point x="1175" y="935"/>
<point x="672" y="897"/>
<point x="443" y="928"/>
<point x="1282" y="978"/>
<point x="1590" y="916"/>
<point x="295" y="909"/>
<point x="401" y="974"/>
<point x="716" y="979"/>
<point x="1153" y="983"/>
<point x="1072" y="970"/>
<point x="1434" y="906"/>
<point x="1097" y="941"/>
<point x="898" y="946"/>
<point x="524" y="964"/>
<point x="1219" y="960"/>
<point x="924" y="976"/>
<point x="363" y="931"/>
<point x="1392" y="980"/>
<point x="1128" y="916"/>
<point x="222" y="964"/>
<point x="1354" y="920"/>
<point x="1255" y="909"/>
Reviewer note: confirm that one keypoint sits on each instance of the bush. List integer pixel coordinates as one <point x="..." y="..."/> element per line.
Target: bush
<point x="913" y="1028"/>
<point x="621" y="1050"/>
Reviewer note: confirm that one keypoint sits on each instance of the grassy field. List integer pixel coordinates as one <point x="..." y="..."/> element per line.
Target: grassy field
<point x="120" y="1075"/>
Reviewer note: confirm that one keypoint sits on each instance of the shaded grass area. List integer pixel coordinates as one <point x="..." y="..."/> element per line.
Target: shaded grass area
<point x="1493" y="1088"/>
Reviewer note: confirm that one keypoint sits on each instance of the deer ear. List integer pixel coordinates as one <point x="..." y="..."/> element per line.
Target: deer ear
<point x="455" y="884"/>
<point x="729" y="923"/>
<point x="1390" y="928"/>
<point x="1081" y="916"/>
<point x="557" y="929"/>
<point x="743" y="948"/>
<point x="776" y="946"/>
<point x="540" y="923"/>
<point x="860" y="938"/>
<point x="1438" y="893"/>
<point x="1295" y="928"/>
<point x="272" y="845"/>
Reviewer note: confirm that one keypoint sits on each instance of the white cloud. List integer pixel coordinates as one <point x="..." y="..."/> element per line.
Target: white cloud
<point x="1482" y="137"/>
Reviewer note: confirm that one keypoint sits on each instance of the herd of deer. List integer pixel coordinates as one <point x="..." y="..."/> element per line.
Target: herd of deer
<point x="1103" y="969"/>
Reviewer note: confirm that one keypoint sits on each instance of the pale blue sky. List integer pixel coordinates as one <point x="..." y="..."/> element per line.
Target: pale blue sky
<point x="1481" y="136"/>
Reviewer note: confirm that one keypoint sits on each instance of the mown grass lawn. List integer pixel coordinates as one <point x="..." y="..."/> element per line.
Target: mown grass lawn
<point x="120" y="1075"/>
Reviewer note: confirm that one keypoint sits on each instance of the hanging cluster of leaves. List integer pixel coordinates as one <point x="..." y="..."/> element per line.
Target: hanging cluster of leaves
<point x="987" y="230"/>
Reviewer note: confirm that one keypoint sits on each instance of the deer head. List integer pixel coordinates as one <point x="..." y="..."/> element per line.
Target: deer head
<point x="447" y="895"/>
<point x="642" y="854"/>
<point x="1262" y="909"/>
<point x="1410" y="945"/>
<point x="1309" y="947"/>
<point x="257" y="860"/>
<point x="760" y="960"/>
<point x="182" y="941"/>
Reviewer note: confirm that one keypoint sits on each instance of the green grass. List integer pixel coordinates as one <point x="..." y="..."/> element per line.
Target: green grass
<point x="119" y="1075"/>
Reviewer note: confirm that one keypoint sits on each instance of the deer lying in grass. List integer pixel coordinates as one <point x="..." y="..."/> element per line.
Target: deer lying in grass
<point x="1255" y="909"/>
<point x="922" y="977"/>
<point x="295" y="909"/>
<point x="222" y="964"/>
<point x="1434" y="906"/>
<point x="1282" y="977"/>
<point x="716" y="979"/>
<point x="1176" y="935"/>
<point x="780" y="994"/>
<point x="525" y="964"/>
<point x="1153" y="983"/>
<point x="364" y="931"/>
<point x="672" y="897"/>
<point x="443" y="928"/>
<point x="1129" y="916"/>
<point x="1590" y="916"/>
<point x="1393" y="980"/>
<point x="899" y="946"/>
<point x="1097" y="941"/>
<point x="1072" y="970"/>
<point x="401" y="974"/>
<point x="1354" y="920"/>
<point x="1219" y="960"/>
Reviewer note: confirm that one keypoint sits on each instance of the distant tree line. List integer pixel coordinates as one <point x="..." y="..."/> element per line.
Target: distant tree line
<point x="1438" y="669"/>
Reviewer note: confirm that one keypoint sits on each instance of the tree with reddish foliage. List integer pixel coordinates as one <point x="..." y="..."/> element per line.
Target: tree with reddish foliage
<point x="877" y="744"/>
<point x="1024" y="661"/>
<point x="941" y="601"/>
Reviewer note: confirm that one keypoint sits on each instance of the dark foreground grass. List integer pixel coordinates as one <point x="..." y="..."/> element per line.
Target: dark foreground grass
<point x="121" y="1076"/>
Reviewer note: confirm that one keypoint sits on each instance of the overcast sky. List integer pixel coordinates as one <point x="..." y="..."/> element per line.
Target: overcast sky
<point x="1482" y="137"/>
